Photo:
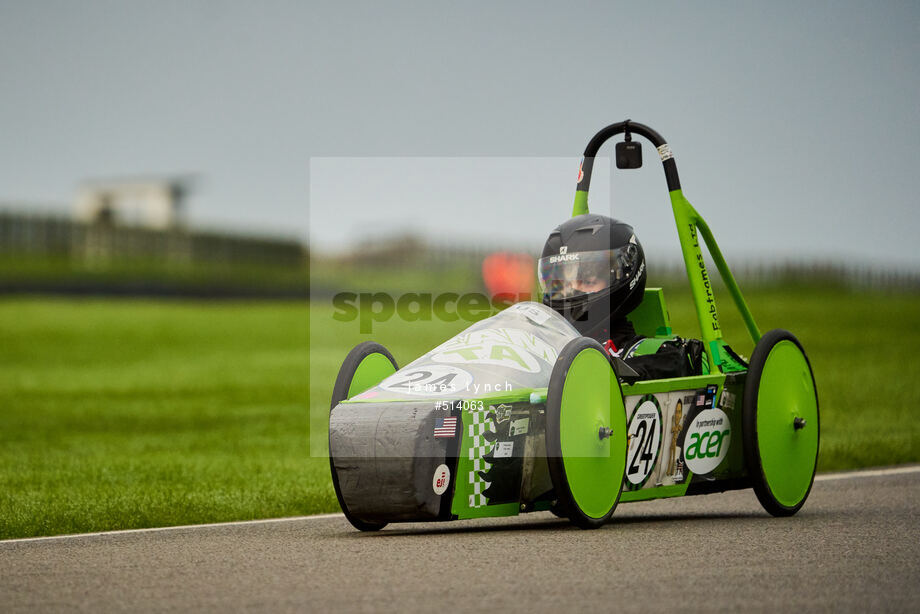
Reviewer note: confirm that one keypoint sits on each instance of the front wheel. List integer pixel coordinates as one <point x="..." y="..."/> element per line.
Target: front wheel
<point x="780" y="423"/>
<point x="585" y="433"/>
<point x="366" y="365"/>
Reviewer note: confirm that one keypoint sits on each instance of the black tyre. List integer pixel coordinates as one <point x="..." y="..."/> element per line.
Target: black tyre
<point x="780" y="423"/>
<point x="585" y="434"/>
<point x="366" y="365"/>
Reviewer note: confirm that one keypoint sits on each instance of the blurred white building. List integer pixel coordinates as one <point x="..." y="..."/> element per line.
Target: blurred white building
<point x="151" y="202"/>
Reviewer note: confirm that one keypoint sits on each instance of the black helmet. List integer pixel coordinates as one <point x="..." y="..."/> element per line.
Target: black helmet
<point x="592" y="271"/>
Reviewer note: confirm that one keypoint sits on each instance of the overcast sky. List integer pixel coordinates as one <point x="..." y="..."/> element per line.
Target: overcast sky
<point x="794" y="124"/>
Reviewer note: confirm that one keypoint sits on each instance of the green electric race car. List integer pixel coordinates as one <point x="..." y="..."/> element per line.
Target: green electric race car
<point x="520" y="413"/>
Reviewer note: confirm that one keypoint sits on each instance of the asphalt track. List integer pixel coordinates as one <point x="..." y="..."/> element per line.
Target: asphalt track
<point x="855" y="546"/>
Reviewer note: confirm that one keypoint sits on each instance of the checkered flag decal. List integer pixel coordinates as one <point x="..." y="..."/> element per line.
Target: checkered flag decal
<point x="480" y="423"/>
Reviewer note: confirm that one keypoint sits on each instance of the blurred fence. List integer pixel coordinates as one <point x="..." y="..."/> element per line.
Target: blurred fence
<point x="97" y="245"/>
<point x="805" y="271"/>
<point x="49" y="253"/>
<point x="410" y="252"/>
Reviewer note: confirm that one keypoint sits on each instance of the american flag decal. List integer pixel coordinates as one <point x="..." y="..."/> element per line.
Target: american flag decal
<point x="445" y="427"/>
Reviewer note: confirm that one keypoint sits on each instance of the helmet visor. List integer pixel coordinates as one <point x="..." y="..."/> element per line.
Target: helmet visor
<point x="567" y="275"/>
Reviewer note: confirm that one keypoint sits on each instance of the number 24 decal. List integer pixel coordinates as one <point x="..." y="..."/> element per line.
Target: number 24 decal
<point x="427" y="380"/>
<point x="644" y="452"/>
<point x="416" y="378"/>
<point x="644" y="441"/>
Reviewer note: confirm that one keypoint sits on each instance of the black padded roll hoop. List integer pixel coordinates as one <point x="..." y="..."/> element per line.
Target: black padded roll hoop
<point x="594" y="145"/>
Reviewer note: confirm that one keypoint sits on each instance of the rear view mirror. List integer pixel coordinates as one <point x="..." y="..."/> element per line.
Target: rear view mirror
<point x="629" y="154"/>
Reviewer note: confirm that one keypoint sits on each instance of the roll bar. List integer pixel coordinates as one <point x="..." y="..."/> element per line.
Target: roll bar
<point x="690" y="229"/>
<point x="627" y="127"/>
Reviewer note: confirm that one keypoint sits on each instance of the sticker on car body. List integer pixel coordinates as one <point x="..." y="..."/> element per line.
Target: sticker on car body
<point x="707" y="441"/>
<point x="429" y="380"/>
<point x="644" y="440"/>
<point x="440" y="480"/>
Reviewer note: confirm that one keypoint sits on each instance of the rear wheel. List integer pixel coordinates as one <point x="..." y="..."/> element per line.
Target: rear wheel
<point x="780" y="423"/>
<point x="366" y="365"/>
<point x="585" y="433"/>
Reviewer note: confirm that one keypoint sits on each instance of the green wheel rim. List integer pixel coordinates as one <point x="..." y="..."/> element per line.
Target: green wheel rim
<point x="372" y="370"/>
<point x="591" y="400"/>
<point x="787" y="392"/>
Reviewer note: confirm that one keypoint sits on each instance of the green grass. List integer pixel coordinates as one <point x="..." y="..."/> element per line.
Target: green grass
<point x="124" y="414"/>
<point x="133" y="414"/>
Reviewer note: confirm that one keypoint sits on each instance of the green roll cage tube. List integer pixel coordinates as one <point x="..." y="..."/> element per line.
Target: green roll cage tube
<point x="690" y="227"/>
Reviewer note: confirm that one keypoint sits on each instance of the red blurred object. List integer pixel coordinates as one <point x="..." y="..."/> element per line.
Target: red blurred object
<point x="509" y="273"/>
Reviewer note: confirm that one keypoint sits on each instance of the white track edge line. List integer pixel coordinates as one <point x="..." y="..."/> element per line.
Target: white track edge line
<point x="174" y="528"/>
<point x="867" y="473"/>
<point x="823" y="477"/>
